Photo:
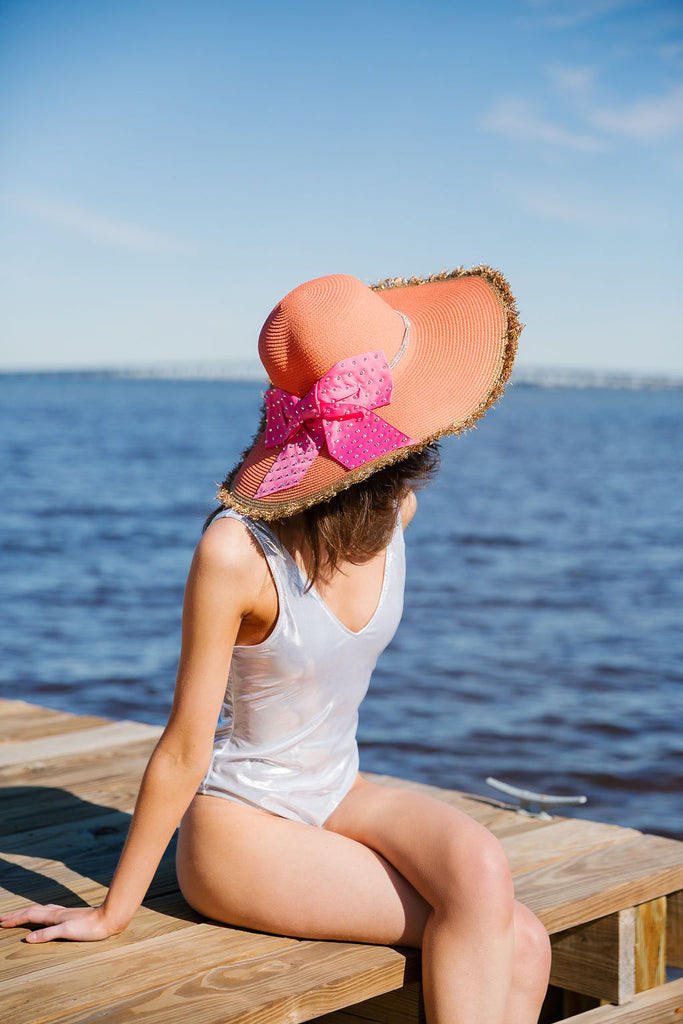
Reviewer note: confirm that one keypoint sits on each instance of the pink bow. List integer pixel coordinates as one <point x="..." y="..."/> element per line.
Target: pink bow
<point x="337" y="411"/>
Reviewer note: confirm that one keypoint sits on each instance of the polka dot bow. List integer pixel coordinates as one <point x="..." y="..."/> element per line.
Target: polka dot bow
<point x="337" y="411"/>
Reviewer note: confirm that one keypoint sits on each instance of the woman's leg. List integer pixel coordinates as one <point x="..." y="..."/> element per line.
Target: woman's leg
<point x="482" y="961"/>
<point x="485" y="957"/>
<point x="531" y="967"/>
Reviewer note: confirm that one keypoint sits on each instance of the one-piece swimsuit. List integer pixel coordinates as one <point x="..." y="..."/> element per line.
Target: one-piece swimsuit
<point x="286" y="738"/>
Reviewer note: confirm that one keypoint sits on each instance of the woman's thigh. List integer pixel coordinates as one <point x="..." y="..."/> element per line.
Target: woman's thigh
<point x="456" y="864"/>
<point x="252" y="869"/>
<point x="446" y="856"/>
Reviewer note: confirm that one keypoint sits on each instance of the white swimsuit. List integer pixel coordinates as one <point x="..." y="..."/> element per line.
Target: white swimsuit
<point x="286" y="739"/>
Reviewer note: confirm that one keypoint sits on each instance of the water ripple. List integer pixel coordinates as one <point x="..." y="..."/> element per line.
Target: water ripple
<point x="541" y="638"/>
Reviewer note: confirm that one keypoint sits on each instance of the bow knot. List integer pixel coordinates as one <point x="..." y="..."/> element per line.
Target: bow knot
<point x="336" y="412"/>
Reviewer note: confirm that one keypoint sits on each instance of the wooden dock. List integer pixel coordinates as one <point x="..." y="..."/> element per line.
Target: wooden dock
<point x="611" y="898"/>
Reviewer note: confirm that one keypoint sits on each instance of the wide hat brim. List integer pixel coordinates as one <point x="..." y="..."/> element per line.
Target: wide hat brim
<point x="462" y="341"/>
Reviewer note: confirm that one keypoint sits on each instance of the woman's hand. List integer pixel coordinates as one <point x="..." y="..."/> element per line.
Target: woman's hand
<point x="80" y="924"/>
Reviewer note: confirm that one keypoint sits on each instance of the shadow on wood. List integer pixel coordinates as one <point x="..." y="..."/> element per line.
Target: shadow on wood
<point x="52" y="837"/>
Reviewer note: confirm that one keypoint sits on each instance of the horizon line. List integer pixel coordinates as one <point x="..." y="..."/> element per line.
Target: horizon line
<point x="248" y="370"/>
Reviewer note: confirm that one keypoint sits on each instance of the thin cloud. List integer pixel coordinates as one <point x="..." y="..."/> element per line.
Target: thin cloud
<point x="520" y="120"/>
<point x="98" y="228"/>
<point x="672" y="51"/>
<point x="656" y="118"/>
<point x="570" y="13"/>
<point x="575" y="82"/>
<point x="568" y="209"/>
<point x="649" y="119"/>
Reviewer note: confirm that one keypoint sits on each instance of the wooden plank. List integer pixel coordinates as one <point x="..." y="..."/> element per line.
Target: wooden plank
<point x="170" y="905"/>
<point x="661" y="1005"/>
<point x="50" y="992"/>
<point x="301" y="987"/>
<point x="505" y="822"/>
<point x="18" y="707"/>
<point x="603" y="881"/>
<point x="102" y="737"/>
<point x="58" y="791"/>
<point x="66" y="836"/>
<point x="160" y="916"/>
<point x="650" y="947"/>
<point x="566" y="837"/>
<point x="71" y="887"/>
<point x="597" y="959"/>
<point x="35" y="722"/>
<point x="70" y="862"/>
<point x="88" y="839"/>
<point x="401" y="1007"/>
<point x="71" y="762"/>
<point x="206" y="974"/>
<point x="674" y="930"/>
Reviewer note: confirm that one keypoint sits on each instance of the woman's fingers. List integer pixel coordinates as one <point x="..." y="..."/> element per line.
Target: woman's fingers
<point x="82" y="924"/>
<point x="44" y="934"/>
<point x="35" y="914"/>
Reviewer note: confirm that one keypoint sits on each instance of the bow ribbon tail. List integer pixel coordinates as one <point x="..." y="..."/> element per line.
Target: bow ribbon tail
<point x="353" y="442"/>
<point x="292" y="463"/>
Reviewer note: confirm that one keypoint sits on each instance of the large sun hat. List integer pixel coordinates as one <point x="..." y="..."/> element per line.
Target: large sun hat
<point x="360" y="376"/>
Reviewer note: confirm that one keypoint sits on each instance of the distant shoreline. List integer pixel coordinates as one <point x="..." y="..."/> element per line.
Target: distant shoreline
<point x="537" y="377"/>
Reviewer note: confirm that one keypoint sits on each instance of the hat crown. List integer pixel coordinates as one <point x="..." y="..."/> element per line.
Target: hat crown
<point x="321" y="322"/>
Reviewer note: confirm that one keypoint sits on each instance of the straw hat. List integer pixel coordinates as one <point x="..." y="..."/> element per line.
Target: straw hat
<point x="362" y="376"/>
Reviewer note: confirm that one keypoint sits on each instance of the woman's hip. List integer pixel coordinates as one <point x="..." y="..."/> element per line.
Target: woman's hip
<point x="253" y="869"/>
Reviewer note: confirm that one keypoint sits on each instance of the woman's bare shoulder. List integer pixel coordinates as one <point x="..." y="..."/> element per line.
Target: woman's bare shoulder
<point x="228" y="547"/>
<point x="408" y="508"/>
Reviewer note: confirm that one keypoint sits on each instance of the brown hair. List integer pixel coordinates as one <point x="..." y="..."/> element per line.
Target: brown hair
<point x="357" y="523"/>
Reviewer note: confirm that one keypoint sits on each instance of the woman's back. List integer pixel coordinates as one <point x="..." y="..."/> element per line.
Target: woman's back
<point x="286" y="741"/>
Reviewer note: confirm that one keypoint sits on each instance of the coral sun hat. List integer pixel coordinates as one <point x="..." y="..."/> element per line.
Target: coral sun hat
<point x="362" y="376"/>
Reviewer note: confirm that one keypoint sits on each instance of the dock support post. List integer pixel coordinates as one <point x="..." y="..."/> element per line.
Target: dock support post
<point x="650" y="963"/>
<point x="597" y="959"/>
<point x="674" y="929"/>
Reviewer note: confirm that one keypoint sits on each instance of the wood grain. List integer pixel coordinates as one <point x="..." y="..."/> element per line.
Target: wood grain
<point x="107" y="974"/>
<point x="402" y="1007"/>
<point x="674" y="930"/>
<point x="650" y="945"/>
<point x="48" y="747"/>
<point x="157" y="917"/>
<point x="293" y="983"/>
<point x="27" y="724"/>
<point x="559" y="841"/>
<point x="661" y="1005"/>
<point x="597" y="959"/>
<point x="595" y="884"/>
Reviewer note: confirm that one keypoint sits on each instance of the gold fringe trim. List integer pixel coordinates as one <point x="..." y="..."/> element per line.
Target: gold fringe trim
<point x="255" y="509"/>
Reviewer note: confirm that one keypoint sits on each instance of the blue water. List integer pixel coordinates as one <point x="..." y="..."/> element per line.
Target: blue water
<point x="541" y="640"/>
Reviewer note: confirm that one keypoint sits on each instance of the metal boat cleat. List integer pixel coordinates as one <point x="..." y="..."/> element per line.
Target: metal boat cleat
<point x="526" y="798"/>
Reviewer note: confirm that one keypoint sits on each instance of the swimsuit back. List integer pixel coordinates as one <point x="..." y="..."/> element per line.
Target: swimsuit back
<point x="286" y="740"/>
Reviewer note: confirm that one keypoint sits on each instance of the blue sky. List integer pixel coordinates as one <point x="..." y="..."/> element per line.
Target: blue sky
<point x="170" y="169"/>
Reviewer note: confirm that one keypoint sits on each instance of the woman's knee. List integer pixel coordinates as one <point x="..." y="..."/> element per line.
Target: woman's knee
<point x="476" y="875"/>
<point x="457" y="866"/>
<point x="532" y="949"/>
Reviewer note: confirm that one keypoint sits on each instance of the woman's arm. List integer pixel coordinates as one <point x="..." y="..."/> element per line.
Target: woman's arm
<point x="224" y="584"/>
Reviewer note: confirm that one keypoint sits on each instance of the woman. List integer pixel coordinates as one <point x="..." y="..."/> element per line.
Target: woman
<point x="295" y="588"/>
